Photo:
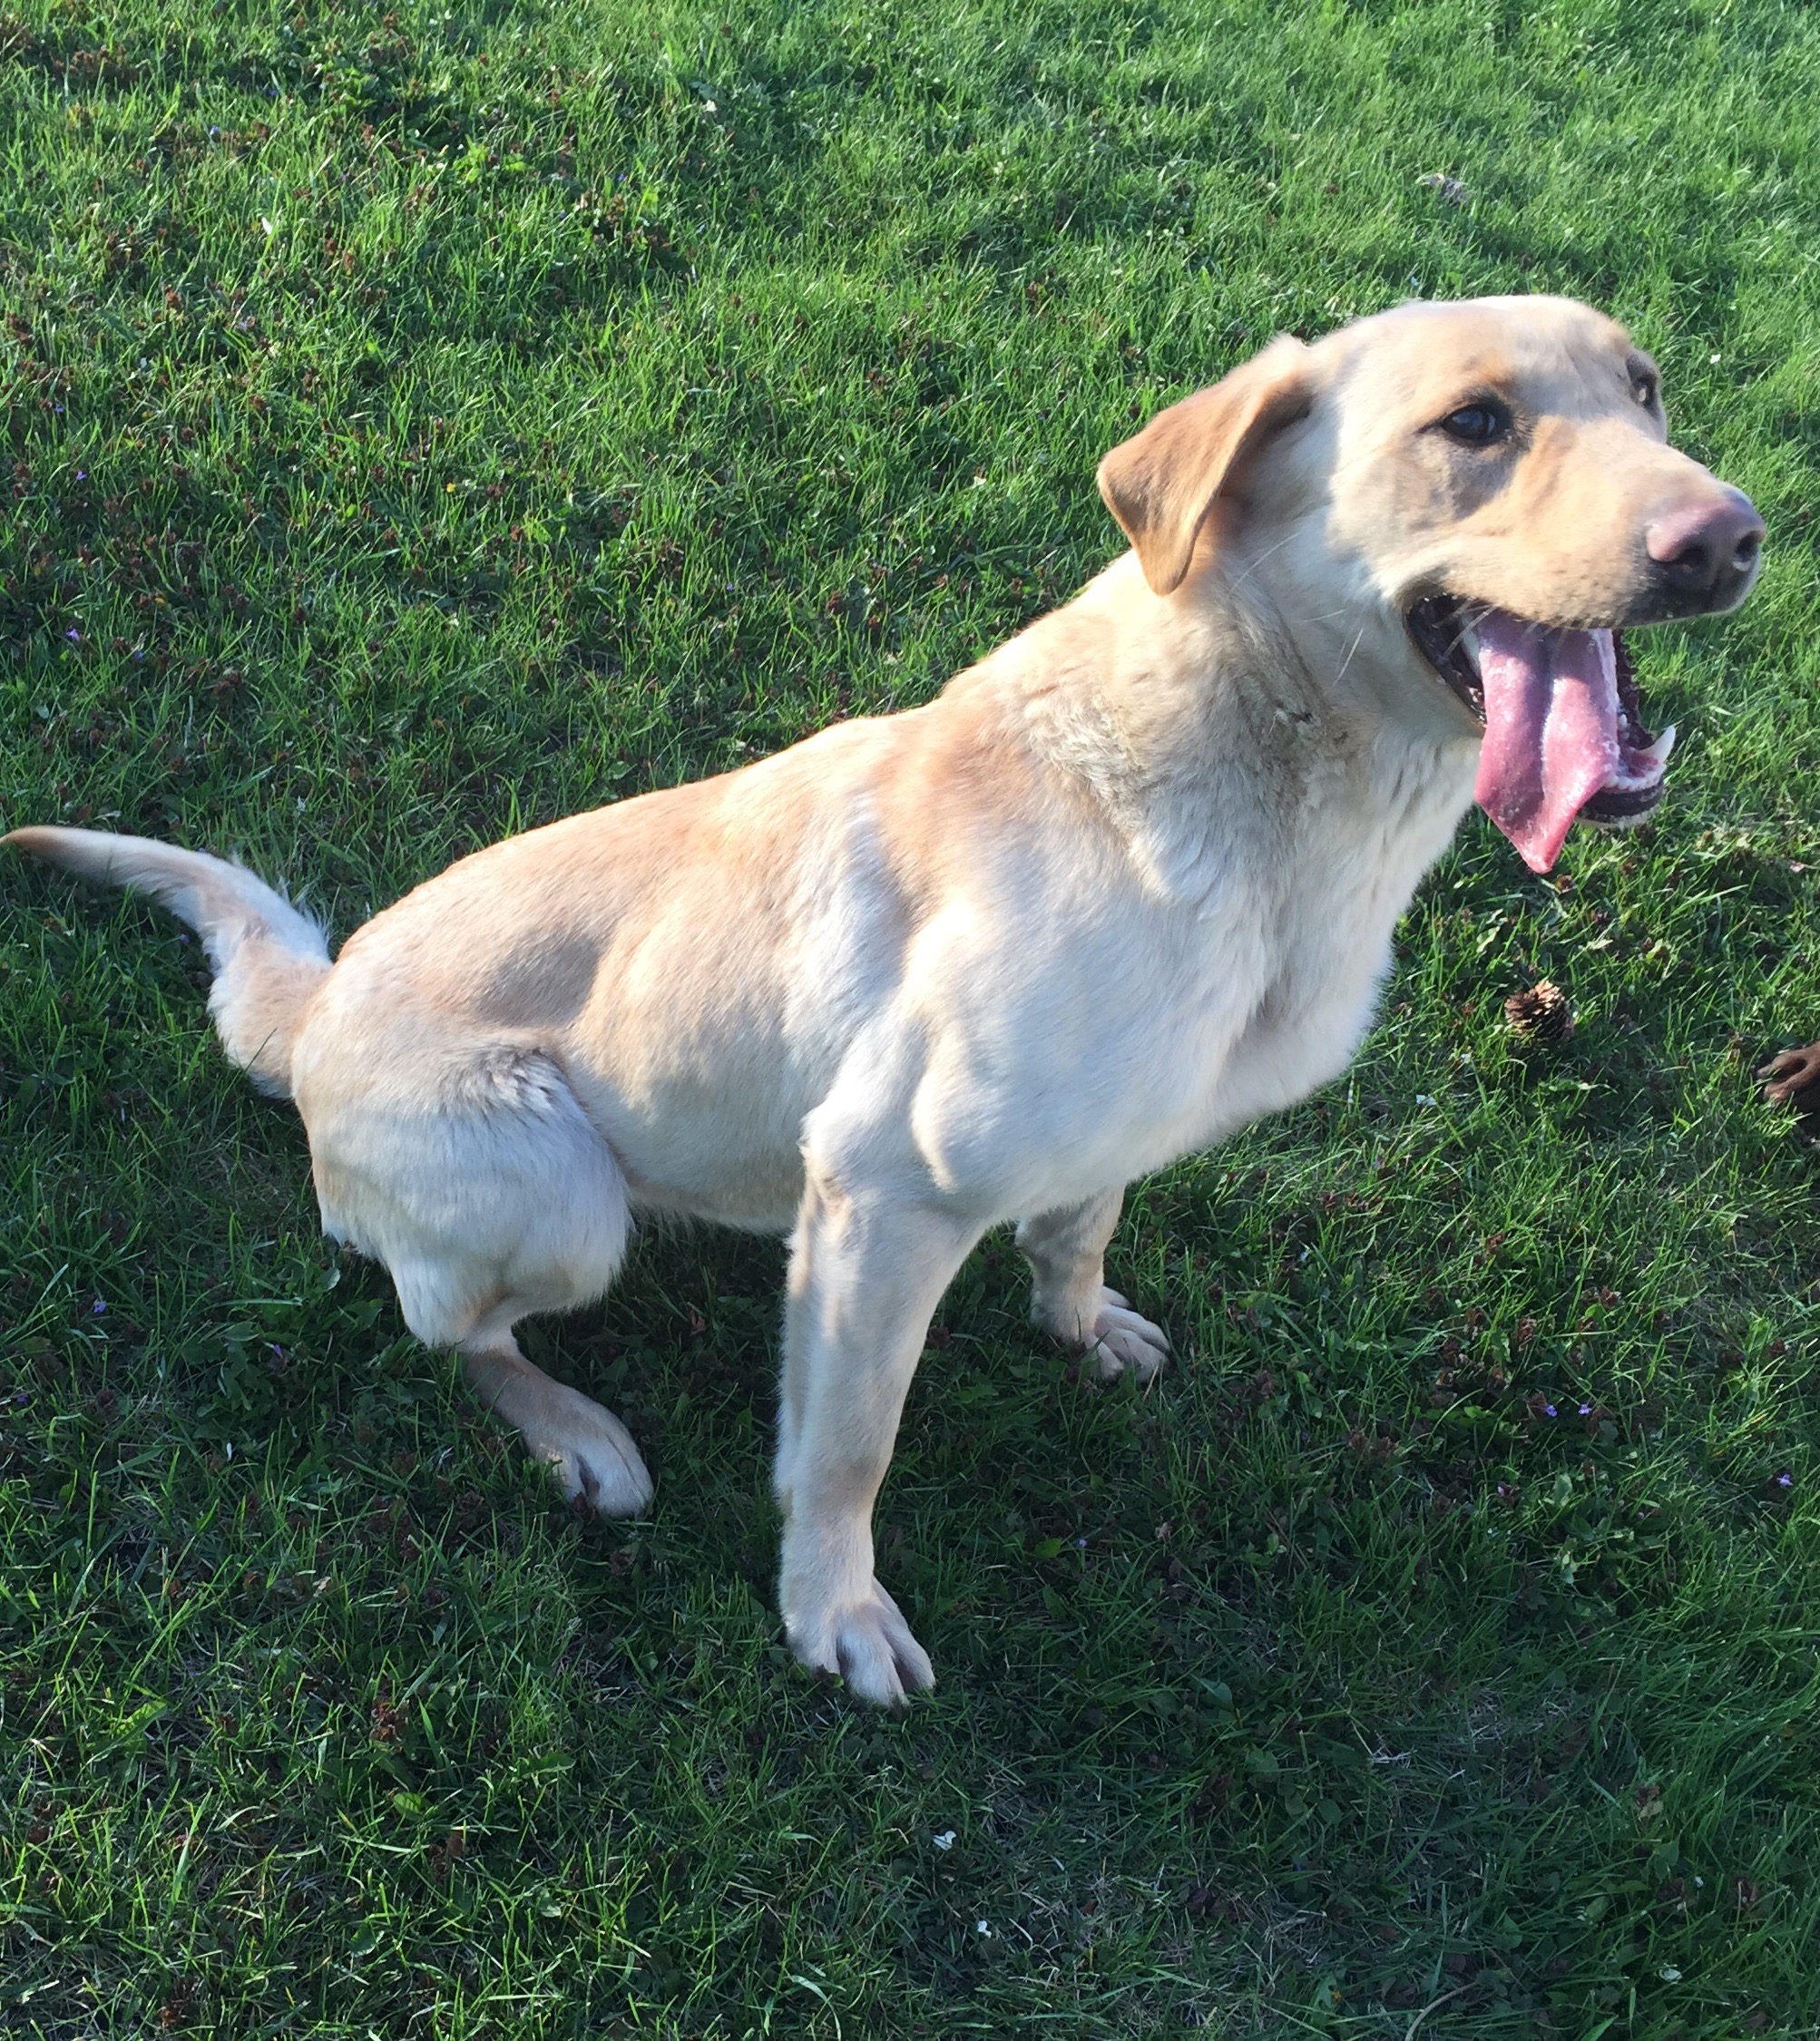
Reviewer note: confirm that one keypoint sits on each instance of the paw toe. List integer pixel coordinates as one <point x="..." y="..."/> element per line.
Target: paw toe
<point x="592" y="1456"/>
<point x="871" y="1647"/>
<point x="1126" y="1339"/>
<point x="611" y="1486"/>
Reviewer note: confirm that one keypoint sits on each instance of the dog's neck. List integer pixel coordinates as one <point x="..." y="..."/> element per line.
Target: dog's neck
<point x="1214" y="717"/>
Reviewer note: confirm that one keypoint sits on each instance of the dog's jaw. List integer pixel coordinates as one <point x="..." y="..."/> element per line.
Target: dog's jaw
<point x="1564" y="734"/>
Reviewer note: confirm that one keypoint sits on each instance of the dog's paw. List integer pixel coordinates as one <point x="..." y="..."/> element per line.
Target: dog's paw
<point x="869" y="1644"/>
<point x="1785" y="1077"/>
<point x="1122" y="1338"/>
<point x="590" y="1452"/>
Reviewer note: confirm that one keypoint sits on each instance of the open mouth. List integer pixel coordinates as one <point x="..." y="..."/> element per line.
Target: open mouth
<point x="1564" y="736"/>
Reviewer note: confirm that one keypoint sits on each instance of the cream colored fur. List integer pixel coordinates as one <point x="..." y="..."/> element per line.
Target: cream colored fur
<point x="1125" y="885"/>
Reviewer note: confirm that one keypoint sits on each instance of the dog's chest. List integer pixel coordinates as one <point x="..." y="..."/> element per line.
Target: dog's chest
<point x="1275" y="977"/>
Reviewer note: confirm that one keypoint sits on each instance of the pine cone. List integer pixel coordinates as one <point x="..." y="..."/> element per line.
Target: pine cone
<point x="1542" y="1015"/>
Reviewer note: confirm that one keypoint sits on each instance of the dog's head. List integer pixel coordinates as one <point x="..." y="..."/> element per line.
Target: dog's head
<point x="1458" y="507"/>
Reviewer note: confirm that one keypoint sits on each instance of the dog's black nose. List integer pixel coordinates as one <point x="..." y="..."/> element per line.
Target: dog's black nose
<point x="1707" y="550"/>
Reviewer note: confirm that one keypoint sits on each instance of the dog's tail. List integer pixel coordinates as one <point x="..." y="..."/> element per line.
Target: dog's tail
<point x="268" y="958"/>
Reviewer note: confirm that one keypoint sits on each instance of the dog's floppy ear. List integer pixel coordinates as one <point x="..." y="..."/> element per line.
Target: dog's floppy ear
<point x="1162" y="485"/>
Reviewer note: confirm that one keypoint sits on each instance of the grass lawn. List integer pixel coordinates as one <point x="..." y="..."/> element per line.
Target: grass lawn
<point x="425" y="423"/>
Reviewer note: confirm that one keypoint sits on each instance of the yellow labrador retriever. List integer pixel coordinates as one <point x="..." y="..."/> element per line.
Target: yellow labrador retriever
<point x="1124" y="885"/>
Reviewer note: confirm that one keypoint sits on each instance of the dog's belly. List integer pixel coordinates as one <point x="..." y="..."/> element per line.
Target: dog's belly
<point x="763" y="1197"/>
<point x="729" y="1152"/>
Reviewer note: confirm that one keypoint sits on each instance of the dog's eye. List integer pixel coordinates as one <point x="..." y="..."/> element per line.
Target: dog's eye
<point x="1644" y="390"/>
<point x="1477" y="425"/>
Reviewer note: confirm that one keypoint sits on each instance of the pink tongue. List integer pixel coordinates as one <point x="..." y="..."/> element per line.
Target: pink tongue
<point x="1551" y="729"/>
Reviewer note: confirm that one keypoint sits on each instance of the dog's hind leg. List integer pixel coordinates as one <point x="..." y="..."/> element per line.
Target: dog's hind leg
<point x="490" y="1195"/>
<point x="1066" y="1251"/>
<point x="584" y="1445"/>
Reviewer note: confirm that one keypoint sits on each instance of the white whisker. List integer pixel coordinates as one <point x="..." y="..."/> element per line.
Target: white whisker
<point x="1358" y="640"/>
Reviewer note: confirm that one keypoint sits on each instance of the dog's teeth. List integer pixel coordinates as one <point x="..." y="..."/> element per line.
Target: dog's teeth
<point x="1658" y="753"/>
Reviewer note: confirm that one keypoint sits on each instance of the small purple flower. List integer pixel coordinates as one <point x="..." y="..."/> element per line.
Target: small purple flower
<point x="1080" y="1544"/>
<point x="82" y="474"/>
<point x="1784" y="1480"/>
<point x="1586" y="1410"/>
<point x="75" y="636"/>
<point x="1549" y="1409"/>
<point x="97" y="1309"/>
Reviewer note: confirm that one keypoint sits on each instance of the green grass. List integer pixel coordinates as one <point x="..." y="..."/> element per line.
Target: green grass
<point x="427" y="424"/>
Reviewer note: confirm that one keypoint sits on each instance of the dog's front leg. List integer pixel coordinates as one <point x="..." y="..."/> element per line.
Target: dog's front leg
<point x="866" y="1273"/>
<point x="1066" y="1251"/>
